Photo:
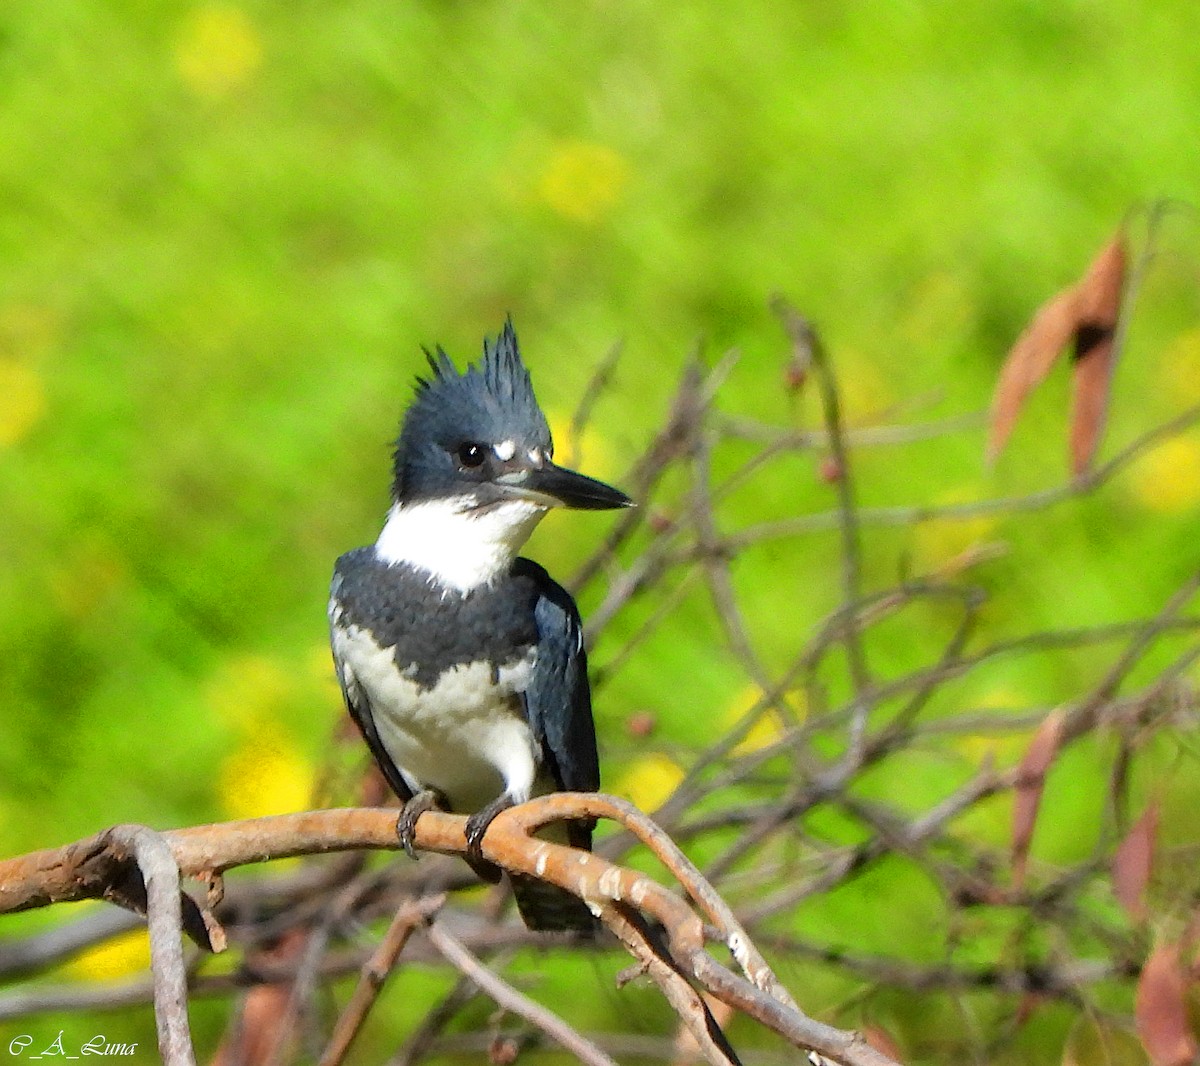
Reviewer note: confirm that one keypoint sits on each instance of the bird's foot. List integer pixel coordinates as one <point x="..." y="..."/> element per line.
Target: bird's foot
<point x="478" y="824"/>
<point x="406" y="825"/>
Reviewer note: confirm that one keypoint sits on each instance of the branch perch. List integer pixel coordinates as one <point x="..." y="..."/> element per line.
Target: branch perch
<point x="87" y="869"/>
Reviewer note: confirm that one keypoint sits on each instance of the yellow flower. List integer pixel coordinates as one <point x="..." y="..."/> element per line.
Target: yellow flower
<point x="582" y="180"/>
<point x="766" y="730"/>
<point x="1167" y="479"/>
<point x="218" y="50"/>
<point x="22" y="400"/>
<point x="266" y="774"/>
<point x="122" y="955"/>
<point x="649" y="781"/>
<point x="590" y="452"/>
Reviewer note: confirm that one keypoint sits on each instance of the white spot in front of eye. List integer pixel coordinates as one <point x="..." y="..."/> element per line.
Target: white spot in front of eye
<point x="535" y="456"/>
<point x="505" y="450"/>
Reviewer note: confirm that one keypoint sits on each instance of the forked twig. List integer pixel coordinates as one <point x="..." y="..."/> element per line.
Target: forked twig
<point x="453" y="951"/>
<point x="407" y="920"/>
<point x="40" y="878"/>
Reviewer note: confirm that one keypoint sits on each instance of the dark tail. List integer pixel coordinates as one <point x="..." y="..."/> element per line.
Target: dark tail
<point x="548" y="908"/>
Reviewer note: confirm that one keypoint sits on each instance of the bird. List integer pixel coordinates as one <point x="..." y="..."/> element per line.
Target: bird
<point x="461" y="662"/>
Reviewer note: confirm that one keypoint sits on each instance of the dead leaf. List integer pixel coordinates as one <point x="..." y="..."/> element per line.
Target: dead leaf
<point x="1133" y="862"/>
<point x="1100" y="289"/>
<point x="1160" y="1009"/>
<point x="1085" y="314"/>
<point x="1029" y="361"/>
<point x="1037" y="760"/>
<point x="1099" y="308"/>
<point x="261" y="1033"/>
<point x="1090" y="389"/>
<point x="882" y="1041"/>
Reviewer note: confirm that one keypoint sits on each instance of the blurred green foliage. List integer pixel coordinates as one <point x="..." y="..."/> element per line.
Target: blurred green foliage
<point x="225" y="229"/>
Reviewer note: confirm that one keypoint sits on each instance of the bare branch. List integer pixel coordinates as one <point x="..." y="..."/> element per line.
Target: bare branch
<point x="408" y="919"/>
<point x="805" y="337"/>
<point x="511" y="1000"/>
<point x="160" y="877"/>
<point x="36" y="879"/>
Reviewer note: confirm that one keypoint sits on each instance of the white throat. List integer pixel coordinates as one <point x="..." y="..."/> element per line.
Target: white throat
<point x="459" y="548"/>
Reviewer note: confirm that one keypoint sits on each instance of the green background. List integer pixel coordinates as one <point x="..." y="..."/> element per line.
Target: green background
<point x="226" y="229"/>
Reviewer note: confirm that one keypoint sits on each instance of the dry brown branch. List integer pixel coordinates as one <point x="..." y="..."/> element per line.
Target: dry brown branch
<point x="511" y="1000"/>
<point x="806" y="339"/>
<point x="824" y="521"/>
<point x="408" y="919"/>
<point x="77" y="871"/>
<point x="164" y="917"/>
<point x="656" y="963"/>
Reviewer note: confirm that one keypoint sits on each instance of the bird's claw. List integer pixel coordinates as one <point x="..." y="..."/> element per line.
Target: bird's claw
<point x="477" y="826"/>
<point x="406" y="824"/>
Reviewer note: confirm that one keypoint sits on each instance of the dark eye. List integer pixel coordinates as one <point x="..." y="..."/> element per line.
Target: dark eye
<point x="471" y="454"/>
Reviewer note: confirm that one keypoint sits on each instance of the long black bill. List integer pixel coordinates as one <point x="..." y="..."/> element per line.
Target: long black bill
<point x="573" y="490"/>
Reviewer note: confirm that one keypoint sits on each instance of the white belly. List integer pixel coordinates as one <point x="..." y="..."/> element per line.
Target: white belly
<point x="466" y="736"/>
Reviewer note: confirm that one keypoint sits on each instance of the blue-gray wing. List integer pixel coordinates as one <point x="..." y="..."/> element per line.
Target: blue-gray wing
<point x="558" y="699"/>
<point x="357" y="701"/>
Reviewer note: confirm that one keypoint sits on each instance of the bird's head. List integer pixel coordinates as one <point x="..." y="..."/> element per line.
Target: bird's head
<point x="474" y="471"/>
<point x="480" y="438"/>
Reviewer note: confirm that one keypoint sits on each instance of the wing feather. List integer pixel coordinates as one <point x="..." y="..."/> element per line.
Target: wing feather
<point x="558" y="699"/>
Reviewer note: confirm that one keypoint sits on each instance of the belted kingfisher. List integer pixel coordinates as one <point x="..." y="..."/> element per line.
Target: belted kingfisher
<point x="461" y="663"/>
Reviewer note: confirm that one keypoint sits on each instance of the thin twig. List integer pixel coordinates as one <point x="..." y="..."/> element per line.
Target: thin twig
<point x="407" y="920"/>
<point x="964" y="512"/>
<point x="510" y="999"/>
<point x="19" y="958"/>
<point x="802" y="334"/>
<point x="595" y="388"/>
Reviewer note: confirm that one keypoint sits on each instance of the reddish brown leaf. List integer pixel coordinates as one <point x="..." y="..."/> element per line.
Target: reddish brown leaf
<point x="881" y="1040"/>
<point x="1029" y="361"/>
<point x="1085" y="313"/>
<point x="1133" y="863"/>
<point x="1099" y="308"/>
<point x="1031" y="779"/>
<point x="1101" y="287"/>
<point x="1160" y="1009"/>
<point x="1090" y="387"/>
<point x="261" y="1033"/>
